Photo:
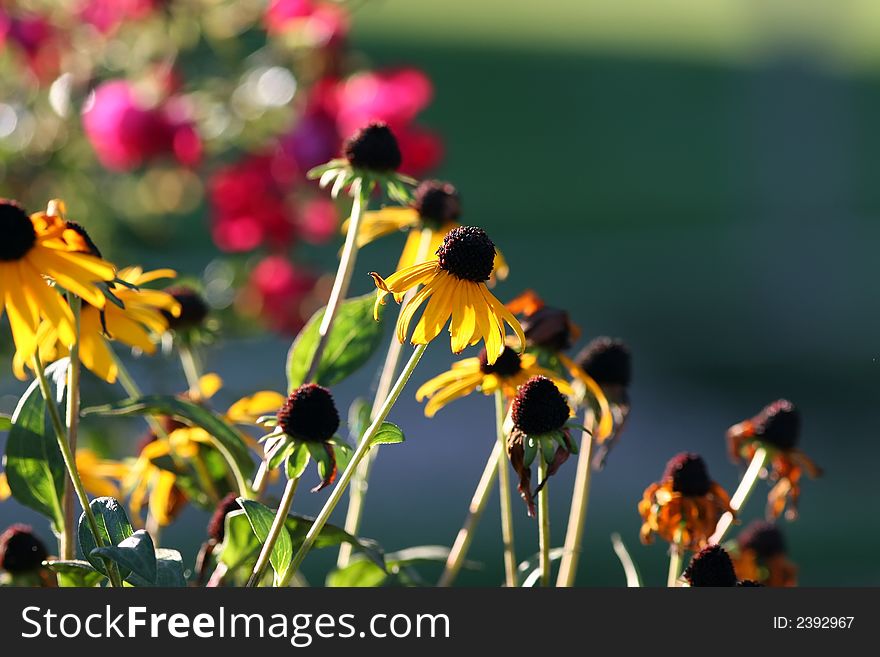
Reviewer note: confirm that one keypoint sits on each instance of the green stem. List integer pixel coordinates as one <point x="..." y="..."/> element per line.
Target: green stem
<point x="580" y="498"/>
<point x="465" y="536"/>
<point x="191" y="370"/>
<point x="274" y="531"/>
<point x="506" y="498"/>
<point x="340" y="289"/>
<point x="362" y="449"/>
<point x="358" y="492"/>
<point x="68" y="549"/>
<point x="741" y="495"/>
<point x="544" y="522"/>
<point x="675" y="557"/>
<point x="70" y="463"/>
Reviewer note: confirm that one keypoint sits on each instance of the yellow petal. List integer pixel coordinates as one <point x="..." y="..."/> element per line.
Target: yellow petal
<point x="248" y="409"/>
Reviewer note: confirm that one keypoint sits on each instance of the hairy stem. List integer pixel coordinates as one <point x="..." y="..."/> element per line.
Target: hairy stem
<point x="362" y="450"/>
<point x="274" y="531"/>
<point x="580" y="499"/>
<point x="74" y="369"/>
<point x="745" y="488"/>
<point x="505" y="496"/>
<point x="459" y="550"/>
<point x="544" y="522"/>
<point x="358" y="491"/>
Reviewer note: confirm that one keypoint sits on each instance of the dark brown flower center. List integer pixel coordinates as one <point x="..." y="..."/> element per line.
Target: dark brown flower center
<point x="17" y="234"/>
<point x="689" y="475"/>
<point x="373" y="148"/>
<point x="193" y="309"/>
<point x="507" y="365"/>
<point x="309" y="414"/>
<point x="467" y="253"/>
<point x="539" y="407"/>
<point x="607" y="361"/>
<point x="779" y="424"/>
<point x="763" y="538"/>
<point x="437" y="203"/>
<point x="20" y="550"/>
<point x="549" y="328"/>
<point x="711" y="566"/>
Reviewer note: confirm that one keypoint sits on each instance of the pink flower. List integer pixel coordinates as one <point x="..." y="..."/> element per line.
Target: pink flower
<point x="108" y="15"/>
<point x="319" y="220"/>
<point x="249" y="208"/>
<point x="126" y="132"/>
<point x="319" y="23"/>
<point x="279" y="288"/>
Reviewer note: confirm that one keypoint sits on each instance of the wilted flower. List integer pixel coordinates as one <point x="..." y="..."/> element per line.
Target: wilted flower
<point x="541" y="428"/>
<point x="762" y="556"/>
<point x="685" y="506"/>
<point x="126" y="131"/>
<point x="21" y="551"/>
<point x="777" y="429"/>
<point x="454" y="289"/>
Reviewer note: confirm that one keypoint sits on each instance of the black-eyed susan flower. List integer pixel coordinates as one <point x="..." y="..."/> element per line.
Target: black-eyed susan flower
<point x="135" y="316"/>
<point x="541" y="429"/>
<point x="371" y="157"/>
<point x="685" y="506"/>
<point x="33" y="250"/>
<point x="711" y="566"/>
<point x="506" y="374"/>
<point x="435" y="208"/>
<point x="193" y="309"/>
<point x="303" y="428"/>
<point x="150" y="485"/>
<point x="100" y="477"/>
<point x="776" y="429"/>
<point x="21" y="551"/>
<point x="608" y="362"/>
<point x="762" y="555"/>
<point x="454" y="291"/>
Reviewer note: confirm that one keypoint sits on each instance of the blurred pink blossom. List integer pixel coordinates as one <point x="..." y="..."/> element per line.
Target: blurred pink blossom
<point x="249" y="208"/>
<point x="127" y="132"/>
<point x="320" y="23"/>
<point x="280" y="287"/>
<point x="107" y="15"/>
<point x="318" y="220"/>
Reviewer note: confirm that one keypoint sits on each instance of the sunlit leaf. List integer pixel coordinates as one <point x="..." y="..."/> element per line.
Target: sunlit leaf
<point x="135" y="554"/>
<point x="75" y="573"/>
<point x="113" y="526"/>
<point x="387" y="434"/>
<point x="260" y="518"/>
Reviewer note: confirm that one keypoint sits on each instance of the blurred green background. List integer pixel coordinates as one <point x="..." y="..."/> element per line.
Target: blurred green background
<point x="698" y="178"/>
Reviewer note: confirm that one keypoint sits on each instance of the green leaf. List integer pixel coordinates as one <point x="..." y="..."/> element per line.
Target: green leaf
<point x="135" y="554"/>
<point x="387" y="434"/>
<point x="75" y="573"/>
<point x="530" y="450"/>
<point x="358" y="573"/>
<point x="355" y="336"/>
<point x="297" y="461"/>
<point x="35" y="469"/>
<point x="225" y="437"/>
<point x="260" y="517"/>
<point x="5" y="422"/>
<point x="169" y="571"/>
<point x="332" y="536"/>
<point x="240" y="545"/>
<point x="113" y="525"/>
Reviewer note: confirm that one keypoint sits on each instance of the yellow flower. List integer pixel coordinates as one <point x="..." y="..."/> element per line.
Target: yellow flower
<point x="137" y="324"/>
<point x="31" y="250"/>
<point x="433" y="213"/>
<point x="100" y="477"/>
<point x="507" y="373"/>
<point x="454" y="289"/>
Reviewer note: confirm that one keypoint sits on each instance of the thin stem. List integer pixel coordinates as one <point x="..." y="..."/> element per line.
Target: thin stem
<point x="343" y="277"/>
<point x="358" y="492"/>
<point x="675" y="556"/>
<point x="459" y="550"/>
<point x="544" y="522"/>
<point x="633" y="580"/>
<point x="340" y="289"/>
<point x="191" y="370"/>
<point x="580" y="499"/>
<point x="505" y="496"/>
<point x="745" y="488"/>
<point x="74" y="369"/>
<point x="70" y="463"/>
<point x="274" y="531"/>
<point x="362" y="450"/>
